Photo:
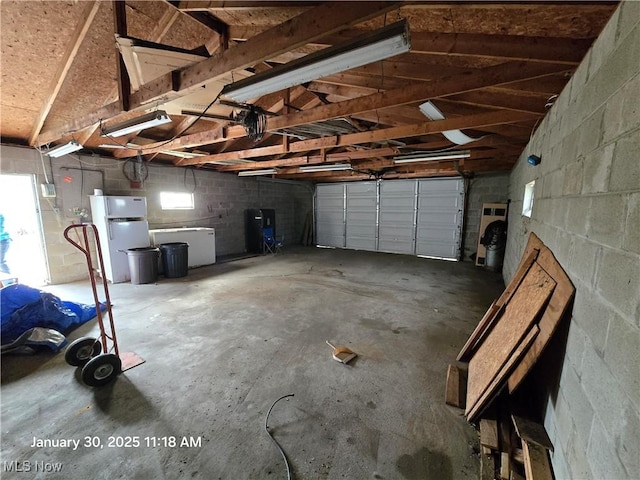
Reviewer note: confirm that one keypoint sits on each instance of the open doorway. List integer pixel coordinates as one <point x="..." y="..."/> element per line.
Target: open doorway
<point x="25" y="256"/>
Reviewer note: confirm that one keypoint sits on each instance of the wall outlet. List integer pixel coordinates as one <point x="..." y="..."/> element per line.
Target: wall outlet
<point x="48" y="190"/>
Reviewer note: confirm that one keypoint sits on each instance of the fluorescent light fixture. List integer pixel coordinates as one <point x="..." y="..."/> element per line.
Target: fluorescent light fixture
<point x="431" y="157"/>
<point x="177" y="153"/>
<point x="326" y="168"/>
<point x="253" y="173"/>
<point x="153" y="119"/>
<point x="383" y="43"/>
<point x="458" y="137"/>
<point x="60" y="150"/>
<point x="116" y="146"/>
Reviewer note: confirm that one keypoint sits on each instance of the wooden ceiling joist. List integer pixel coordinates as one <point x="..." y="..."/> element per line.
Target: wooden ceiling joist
<point x="474" y="121"/>
<point x="78" y="36"/>
<point x="298" y="31"/>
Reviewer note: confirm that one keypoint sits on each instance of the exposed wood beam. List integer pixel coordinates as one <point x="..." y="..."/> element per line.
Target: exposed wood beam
<point x="508" y="100"/>
<point x="164" y="24"/>
<point x="120" y="28"/>
<point x="63" y="68"/>
<point x="300" y="30"/>
<point x="473" y="80"/>
<point x="568" y="51"/>
<point x="472" y="121"/>
<point x="309" y="26"/>
<point x="312" y="159"/>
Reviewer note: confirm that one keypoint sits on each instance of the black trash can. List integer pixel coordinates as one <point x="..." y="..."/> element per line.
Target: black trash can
<point x="175" y="259"/>
<point x="143" y="264"/>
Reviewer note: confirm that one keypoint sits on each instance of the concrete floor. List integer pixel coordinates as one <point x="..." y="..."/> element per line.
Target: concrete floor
<point x="222" y="344"/>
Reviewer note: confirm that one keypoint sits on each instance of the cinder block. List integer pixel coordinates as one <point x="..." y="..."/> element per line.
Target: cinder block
<point x="622" y="354"/>
<point x="576" y="215"/>
<point x="622" y="114"/>
<point x="577" y="455"/>
<point x="603" y="391"/>
<point x="631" y="238"/>
<point x="629" y="18"/>
<point x="603" y="459"/>
<point x="606" y="219"/>
<point x="619" y="280"/>
<point x="579" y="79"/>
<point x="581" y="410"/>
<point x="563" y="421"/>
<point x="597" y="170"/>
<point x="627" y="445"/>
<point x="552" y="185"/>
<point x="618" y="66"/>
<point x="584" y="259"/>
<point x="604" y="44"/>
<point x="576" y="341"/>
<point x="573" y="178"/>
<point x="625" y="167"/>
<point x="593" y="315"/>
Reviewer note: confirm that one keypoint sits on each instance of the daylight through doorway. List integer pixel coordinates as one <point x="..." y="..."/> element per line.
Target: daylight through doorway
<point x="25" y="255"/>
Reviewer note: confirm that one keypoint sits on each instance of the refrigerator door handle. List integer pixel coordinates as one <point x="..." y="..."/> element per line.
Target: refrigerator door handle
<point x="110" y="230"/>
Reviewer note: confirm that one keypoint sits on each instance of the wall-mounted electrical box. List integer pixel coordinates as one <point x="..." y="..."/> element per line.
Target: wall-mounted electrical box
<point x="48" y="190"/>
<point x="490" y="213"/>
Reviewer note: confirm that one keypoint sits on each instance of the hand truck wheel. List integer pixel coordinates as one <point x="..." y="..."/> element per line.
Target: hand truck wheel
<point x="81" y="351"/>
<point x="101" y="370"/>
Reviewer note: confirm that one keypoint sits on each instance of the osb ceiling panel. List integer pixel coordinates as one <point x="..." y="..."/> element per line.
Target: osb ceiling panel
<point x="256" y="16"/>
<point x="30" y="56"/>
<point x="482" y="91"/>
<point x="187" y="33"/>
<point x="550" y="21"/>
<point x="92" y="76"/>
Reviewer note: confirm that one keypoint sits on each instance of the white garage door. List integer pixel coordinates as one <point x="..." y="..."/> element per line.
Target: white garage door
<point x="361" y="215"/>
<point x="418" y="217"/>
<point x="330" y="209"/>
<point x="439" y="219"/>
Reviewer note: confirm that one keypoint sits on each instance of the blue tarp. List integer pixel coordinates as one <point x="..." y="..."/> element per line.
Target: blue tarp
<point x="23" y="308"/>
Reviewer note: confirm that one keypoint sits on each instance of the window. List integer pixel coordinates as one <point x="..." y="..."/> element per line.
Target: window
<point x="176" y="201"/>
<point x="527" y="203"/>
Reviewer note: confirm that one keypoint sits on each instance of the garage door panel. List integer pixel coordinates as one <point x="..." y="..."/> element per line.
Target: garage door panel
<point x="383" y="216"/>
<point x="361" y="215"/>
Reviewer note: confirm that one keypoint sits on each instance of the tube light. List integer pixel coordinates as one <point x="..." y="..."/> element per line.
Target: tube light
<point x="179" y="154"/>
<point x="60" y="150"/>
<point x="326" y="168"/>
<point x="432" y="112"/>
<point x="153" y="119"/>
<point x="430" y="157"/>
<point x="253" y="173"/>
<point x="383" y="43"/>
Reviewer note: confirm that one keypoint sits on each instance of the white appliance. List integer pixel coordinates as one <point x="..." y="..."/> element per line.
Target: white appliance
<point x="121" y="224"/>
<point x="202" y="242"/>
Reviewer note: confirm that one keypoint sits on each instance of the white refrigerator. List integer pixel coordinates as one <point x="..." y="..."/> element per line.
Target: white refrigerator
<point x="122" y="224"/>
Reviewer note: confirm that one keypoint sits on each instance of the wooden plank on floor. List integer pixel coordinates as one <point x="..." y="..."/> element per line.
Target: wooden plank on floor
<point x="496" y="309"/>
<point x="456" y="389"/>
<point x="553" y="313"/>
<point x="497" y="348"/>
<point x="489" y="433"/>
<point x="497" y="383"/>
<point x="536" y="462"/>
<point x="505" y="466"/>
<point x="532" y="431"/>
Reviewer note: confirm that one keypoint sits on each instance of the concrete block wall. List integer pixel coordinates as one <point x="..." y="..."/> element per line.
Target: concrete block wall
<point x="587" y="210"/>
<point x="220" y="202"/>
<point x="491" y="188"/>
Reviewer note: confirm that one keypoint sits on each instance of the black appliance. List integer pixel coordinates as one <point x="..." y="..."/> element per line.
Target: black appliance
<point x="255" y="221"/>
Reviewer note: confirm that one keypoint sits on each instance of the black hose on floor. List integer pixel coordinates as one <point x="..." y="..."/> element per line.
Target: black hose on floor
<point x="266" y="428"/>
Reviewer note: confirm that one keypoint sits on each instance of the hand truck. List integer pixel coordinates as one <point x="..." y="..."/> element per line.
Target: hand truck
<point x="100" y="359"/>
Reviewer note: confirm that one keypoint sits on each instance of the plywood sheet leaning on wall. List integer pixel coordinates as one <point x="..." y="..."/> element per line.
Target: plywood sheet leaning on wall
<point x="558" y="304"/>
<point x="502" y="342"/>
<point x="517" y="327"/>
